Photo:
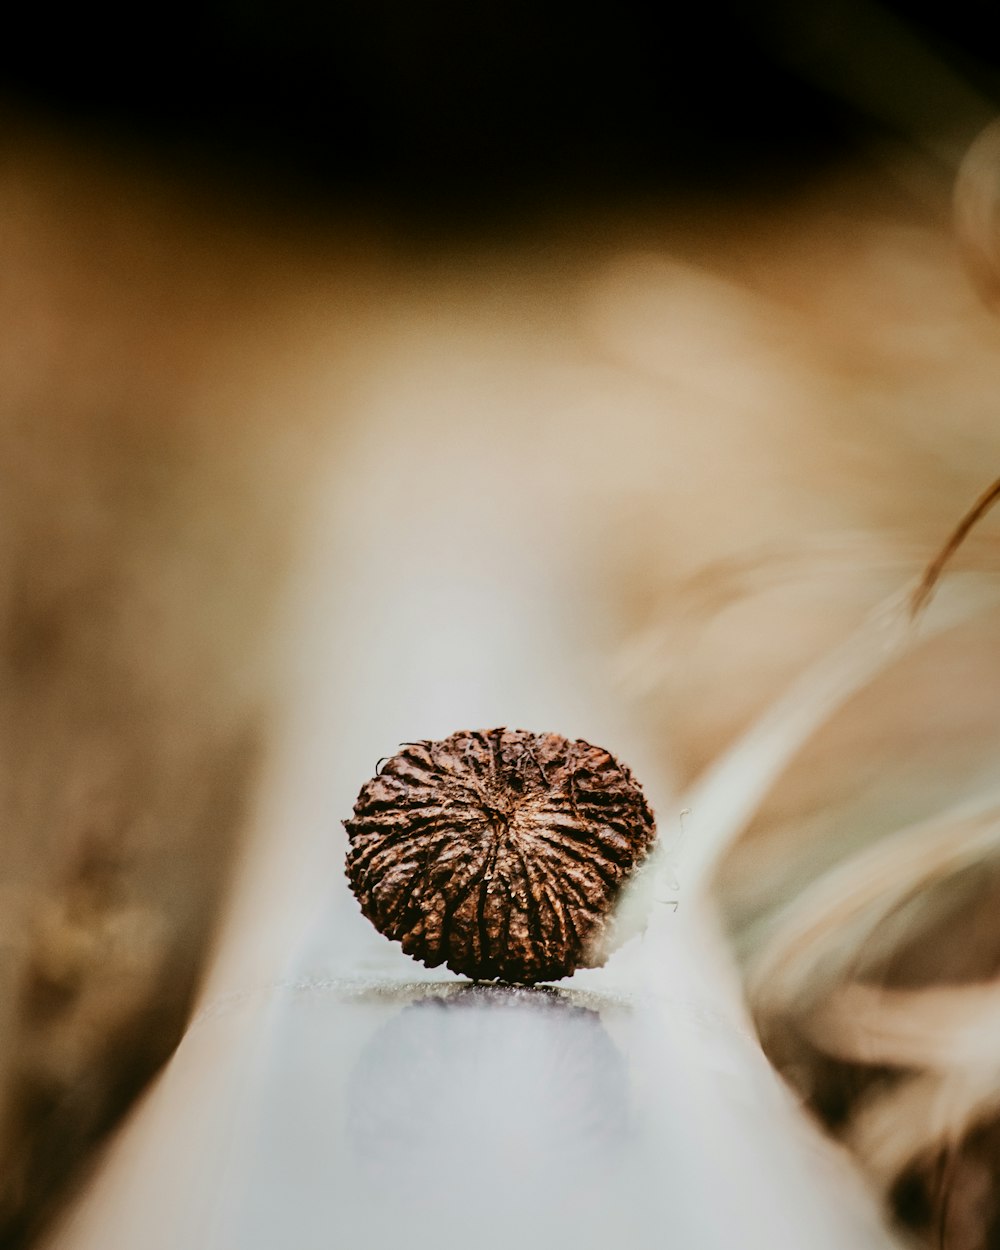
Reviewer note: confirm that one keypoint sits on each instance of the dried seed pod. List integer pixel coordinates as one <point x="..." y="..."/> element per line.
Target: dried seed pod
<point x="498" y="852"/>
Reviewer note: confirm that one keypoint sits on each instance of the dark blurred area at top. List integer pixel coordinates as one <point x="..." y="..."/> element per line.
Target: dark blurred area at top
<point x="465" y="109"/>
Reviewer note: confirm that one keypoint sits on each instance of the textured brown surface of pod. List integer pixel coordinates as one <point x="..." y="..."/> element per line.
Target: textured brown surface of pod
<point x="499" y="852"/>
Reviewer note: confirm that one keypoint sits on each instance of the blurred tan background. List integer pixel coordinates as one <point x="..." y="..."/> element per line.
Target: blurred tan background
<point x="715" y="428"/>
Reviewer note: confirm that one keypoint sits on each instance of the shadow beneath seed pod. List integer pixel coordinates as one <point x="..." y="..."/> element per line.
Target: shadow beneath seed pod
<point x="495" y="1091"/>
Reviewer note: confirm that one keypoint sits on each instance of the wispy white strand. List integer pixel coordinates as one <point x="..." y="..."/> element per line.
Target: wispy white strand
<point x="653" y="654"/>
<point x="724" y="799"/>
<point x="815" y="941"/>
<point x="918" y="1117"/>
<point x="722" y="802"/>
<point x="941" y="1026"/>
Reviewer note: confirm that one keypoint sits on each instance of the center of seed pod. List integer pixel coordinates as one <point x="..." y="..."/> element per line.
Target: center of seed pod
<point x="500" y="820"/>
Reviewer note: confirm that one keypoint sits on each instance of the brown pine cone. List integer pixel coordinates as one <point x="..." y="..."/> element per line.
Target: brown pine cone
<point x="497" y="852"/>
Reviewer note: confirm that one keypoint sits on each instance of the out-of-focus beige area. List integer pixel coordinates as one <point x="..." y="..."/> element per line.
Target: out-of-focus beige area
<point x="160" y="422"/>
<point x="722" y="434"/>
